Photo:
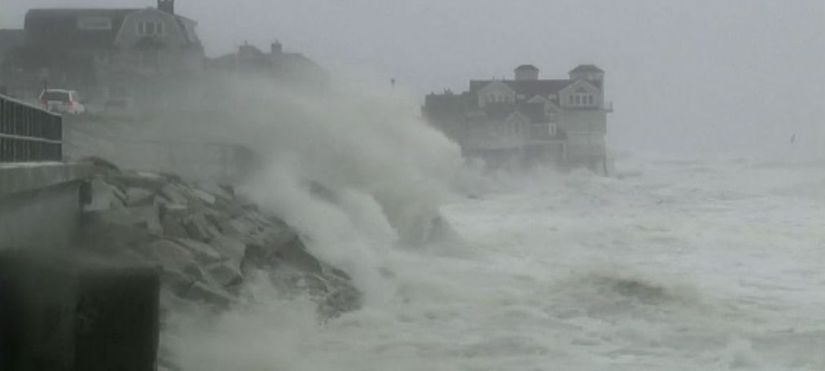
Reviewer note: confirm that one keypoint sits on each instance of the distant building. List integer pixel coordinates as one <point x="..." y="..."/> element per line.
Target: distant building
<point x="527" y="119"/>
<point x="277" y="64"/>
<point x="103" y="52"/>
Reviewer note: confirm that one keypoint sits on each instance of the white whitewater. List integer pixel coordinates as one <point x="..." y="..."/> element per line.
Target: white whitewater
<point x="672" y="265"/>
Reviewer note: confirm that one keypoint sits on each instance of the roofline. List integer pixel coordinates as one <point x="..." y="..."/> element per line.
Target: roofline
<point x="527" y="67"/>
<point x="79" y="10"/>
<point x="590" y="67"/>
<point x="576" y="81"/>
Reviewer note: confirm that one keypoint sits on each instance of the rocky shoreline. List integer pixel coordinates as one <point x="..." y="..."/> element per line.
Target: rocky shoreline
<point x="206" y="240"/>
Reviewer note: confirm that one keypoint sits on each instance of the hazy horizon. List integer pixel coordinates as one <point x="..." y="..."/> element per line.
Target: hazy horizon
<point x="737" y="77"/>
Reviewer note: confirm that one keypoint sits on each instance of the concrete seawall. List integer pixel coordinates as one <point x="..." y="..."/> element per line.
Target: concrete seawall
<point x="40" y="204"/>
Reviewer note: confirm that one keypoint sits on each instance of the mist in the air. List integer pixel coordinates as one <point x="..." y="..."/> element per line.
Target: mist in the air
<point x="701" y="250"/>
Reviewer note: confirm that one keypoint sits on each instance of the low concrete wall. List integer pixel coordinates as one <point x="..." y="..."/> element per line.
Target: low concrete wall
<point x="63" y="313"/>
<point x="158" y="146"/>
<point x="40" y="204"/>
<point x="212" y="162"/>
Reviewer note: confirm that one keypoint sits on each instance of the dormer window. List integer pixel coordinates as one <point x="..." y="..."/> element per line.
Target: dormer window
<point x="150" y="28"/>
<point x="582" y="99"/>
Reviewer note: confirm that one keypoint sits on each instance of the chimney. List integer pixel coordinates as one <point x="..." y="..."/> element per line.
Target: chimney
<point x="526" y="72"/>
<point x="276" y="48"/>
<point x="167" y="6"/>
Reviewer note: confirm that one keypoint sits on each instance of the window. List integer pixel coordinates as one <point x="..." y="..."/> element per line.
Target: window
<point x="582" y="99"/>
<point x="150" y="28"/>
<point x="551" y="129"/>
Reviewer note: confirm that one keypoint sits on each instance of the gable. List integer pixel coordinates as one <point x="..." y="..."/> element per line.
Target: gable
<point x="495" y="92"/>
<point x="579" y="86"/>
<point x="132" y="33"/>
<point x="580" y="94"/>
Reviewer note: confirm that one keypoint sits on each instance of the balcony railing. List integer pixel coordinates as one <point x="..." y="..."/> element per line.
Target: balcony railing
<point x="29" y="133"/>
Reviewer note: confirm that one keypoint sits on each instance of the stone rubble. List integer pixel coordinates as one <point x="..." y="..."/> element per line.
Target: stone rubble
<point x="207" y="241"/>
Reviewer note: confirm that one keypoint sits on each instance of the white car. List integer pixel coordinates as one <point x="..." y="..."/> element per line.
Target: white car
<point x="63" y="101"/>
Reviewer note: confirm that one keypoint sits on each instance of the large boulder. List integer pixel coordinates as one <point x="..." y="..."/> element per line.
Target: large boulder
<point x="207" y="239"/>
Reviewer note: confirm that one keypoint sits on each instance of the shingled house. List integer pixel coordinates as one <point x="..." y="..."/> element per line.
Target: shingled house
<point x="103" y="52"/>
<point x="527" y="119"/>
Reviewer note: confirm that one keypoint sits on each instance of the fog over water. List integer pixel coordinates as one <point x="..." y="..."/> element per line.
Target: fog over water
<point x="703" y="252"/>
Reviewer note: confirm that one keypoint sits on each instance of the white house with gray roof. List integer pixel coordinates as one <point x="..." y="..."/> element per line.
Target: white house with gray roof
<point x="528" y="119"/>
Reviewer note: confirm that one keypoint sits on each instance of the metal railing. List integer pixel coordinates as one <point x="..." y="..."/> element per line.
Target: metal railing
<point x="29" y="133"/>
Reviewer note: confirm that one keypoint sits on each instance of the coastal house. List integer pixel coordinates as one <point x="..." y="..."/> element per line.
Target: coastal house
<point x="103" y="52"/>
<point x="276" y="64"/>
<point x="528" y="120"/>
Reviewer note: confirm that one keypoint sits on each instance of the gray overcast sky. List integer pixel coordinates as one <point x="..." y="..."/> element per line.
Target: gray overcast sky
<point x="685" y="75"/>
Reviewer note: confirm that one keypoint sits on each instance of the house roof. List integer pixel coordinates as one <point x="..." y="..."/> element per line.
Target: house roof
<point x="60" y="27"/>
<point x="527" y="67"/>
<point x="182" y="24"/>
<point x="586" y="68"/>
<point x="529" y="88"/>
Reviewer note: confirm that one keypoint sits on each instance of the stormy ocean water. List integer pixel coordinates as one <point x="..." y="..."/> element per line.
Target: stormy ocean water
<point x="671" y="264"/>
